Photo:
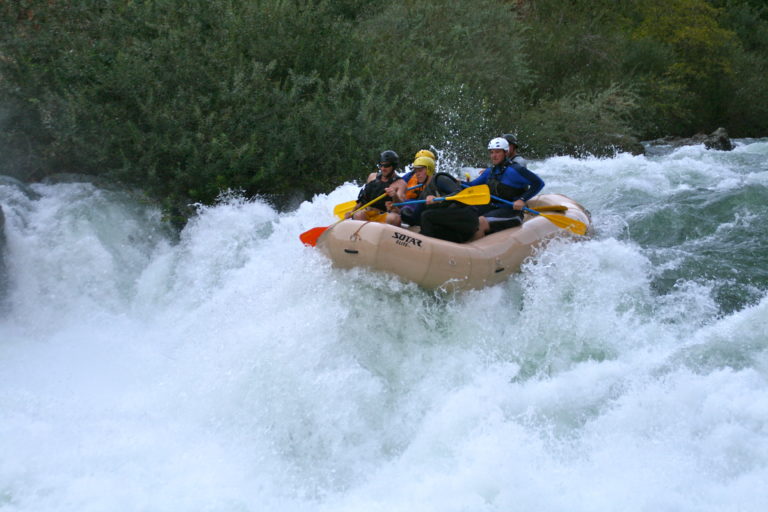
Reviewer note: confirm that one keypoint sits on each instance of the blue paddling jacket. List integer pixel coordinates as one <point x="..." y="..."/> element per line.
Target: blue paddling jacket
<point x="510" y="181"/>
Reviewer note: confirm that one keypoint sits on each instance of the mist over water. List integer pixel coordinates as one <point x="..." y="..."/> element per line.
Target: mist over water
<point x="233" y="369"/>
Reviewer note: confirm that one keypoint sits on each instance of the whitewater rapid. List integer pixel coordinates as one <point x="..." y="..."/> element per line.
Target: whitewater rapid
<point x="229" y="368"/>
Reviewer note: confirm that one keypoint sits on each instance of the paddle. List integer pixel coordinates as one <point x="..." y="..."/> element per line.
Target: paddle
<point x="310" y="237"/>
<point x="342" y="209"/>
<point x="480" y="194"/>
<point x="470" y="195"/>
<point x="561" y="221"/>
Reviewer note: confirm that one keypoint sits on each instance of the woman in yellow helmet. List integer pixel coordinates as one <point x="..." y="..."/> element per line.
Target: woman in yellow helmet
<point x="423" y="168"/>
<point x="408" y="177"/>
<point x="427" y="153"/>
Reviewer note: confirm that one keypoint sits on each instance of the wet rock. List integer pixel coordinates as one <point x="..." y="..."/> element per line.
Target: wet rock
<point x="631" y="145"/>
<point x="718" y="140"/>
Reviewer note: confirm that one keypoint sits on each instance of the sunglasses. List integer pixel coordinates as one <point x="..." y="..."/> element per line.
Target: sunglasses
<point x="387" y="164"/>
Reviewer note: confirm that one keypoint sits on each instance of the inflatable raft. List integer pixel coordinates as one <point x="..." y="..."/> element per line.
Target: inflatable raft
<point x="434" y="263"/>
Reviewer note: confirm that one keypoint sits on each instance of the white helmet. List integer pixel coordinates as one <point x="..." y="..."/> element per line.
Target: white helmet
<point x="499" y="143"/>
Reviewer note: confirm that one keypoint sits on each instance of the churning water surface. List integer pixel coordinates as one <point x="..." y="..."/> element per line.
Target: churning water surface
<point x="233" y="369"/>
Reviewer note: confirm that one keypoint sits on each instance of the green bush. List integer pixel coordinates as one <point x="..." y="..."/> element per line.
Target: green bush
<point x="456" y="69"/>
<point x="185" y="98"/>
<point x="581" y="123"/>
<point x="187" y="101"/>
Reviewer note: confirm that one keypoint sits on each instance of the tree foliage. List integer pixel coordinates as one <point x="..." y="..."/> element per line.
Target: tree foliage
<point x="184" y="99"/>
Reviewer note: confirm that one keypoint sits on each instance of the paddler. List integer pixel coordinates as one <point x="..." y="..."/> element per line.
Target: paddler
<point x="384" y="182"/>
<point x="422" y="168"/>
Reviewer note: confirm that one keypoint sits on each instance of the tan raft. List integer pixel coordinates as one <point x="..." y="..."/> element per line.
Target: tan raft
<point x="434" y="263"/>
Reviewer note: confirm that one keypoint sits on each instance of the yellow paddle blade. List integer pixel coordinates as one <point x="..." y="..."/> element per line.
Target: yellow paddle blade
<point x="340" y="210"/>
<point x="561" y="221"/>
<point x="479" y="194"/>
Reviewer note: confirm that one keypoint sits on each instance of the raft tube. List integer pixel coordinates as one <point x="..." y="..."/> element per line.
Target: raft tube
<point x="433" y="263"/>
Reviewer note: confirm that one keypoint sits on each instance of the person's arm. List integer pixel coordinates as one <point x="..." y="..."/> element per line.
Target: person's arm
<point x="536" y="183"/>
<point x="483" y="178"/>
<point x="360" y="202"/>
<point x="447" y="186"/>
<point x="397" y="191"/>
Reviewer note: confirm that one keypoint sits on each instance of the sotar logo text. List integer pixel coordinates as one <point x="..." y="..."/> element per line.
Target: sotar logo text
<point x="405" y="240"/>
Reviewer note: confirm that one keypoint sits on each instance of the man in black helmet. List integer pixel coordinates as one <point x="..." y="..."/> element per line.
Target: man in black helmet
<point x="512" y="155"/>
<point x="384" y="182"/>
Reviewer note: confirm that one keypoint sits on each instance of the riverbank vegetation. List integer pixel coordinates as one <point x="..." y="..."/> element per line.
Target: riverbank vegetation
<point x="185" y="98"/>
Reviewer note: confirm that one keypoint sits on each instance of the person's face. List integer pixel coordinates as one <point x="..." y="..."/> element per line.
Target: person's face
<point x="387" y="168"/>
<point x="421" y="173"/>
<point x="498" y="156"/>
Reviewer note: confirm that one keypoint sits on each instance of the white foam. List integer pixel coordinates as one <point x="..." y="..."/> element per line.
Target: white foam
<point x="235" y="369"/>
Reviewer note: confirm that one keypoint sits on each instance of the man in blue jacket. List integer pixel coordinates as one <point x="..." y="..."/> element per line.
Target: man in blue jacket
<point x="507" y="180"/>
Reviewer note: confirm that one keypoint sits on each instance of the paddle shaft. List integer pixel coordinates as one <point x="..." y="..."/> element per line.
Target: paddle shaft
<point x="419" y="201"/>
<point x="512" y="203"/>
<point x="409" y="188"/>
<point x="366" y="205"/>
<point x="561" y="221"/>
<point x="470" y="195"/>
<point x="343" y="208"/>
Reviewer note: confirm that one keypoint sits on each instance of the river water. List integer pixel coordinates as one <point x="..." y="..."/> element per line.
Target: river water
<point x="232" y="369"/>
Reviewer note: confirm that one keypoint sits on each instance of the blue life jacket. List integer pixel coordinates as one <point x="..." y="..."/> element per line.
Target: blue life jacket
<point x="510" y="181"/>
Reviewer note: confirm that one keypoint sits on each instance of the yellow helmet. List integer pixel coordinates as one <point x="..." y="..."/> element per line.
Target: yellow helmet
<point x="427" y="153"/>
<point x="425" y="161"/>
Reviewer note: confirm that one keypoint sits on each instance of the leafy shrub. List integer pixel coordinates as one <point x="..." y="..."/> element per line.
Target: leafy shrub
<point x="185" y="99"/>
<point x="581" y="123"/>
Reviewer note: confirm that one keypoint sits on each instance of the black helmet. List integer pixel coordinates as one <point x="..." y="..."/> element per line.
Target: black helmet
<point x="511" y="139"/>
<point x="391" y="157"/>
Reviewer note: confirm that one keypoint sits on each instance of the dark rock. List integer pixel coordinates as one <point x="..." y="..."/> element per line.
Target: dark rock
<point x="632" y="145"/>
<point x="718" y="140"/>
